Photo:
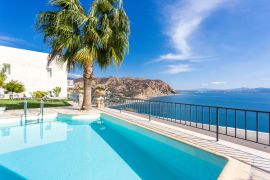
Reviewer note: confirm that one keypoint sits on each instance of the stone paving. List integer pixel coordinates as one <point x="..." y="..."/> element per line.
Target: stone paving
<point x="51" y="110"/>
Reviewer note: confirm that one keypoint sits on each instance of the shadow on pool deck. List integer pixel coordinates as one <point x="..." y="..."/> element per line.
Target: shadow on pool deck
<point x="6" y="173"/>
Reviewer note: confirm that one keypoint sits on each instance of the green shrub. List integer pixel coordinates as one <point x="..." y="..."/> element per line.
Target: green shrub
<point x="2" y="80"/>
<point x="40" y="94"/>
<point x="14" y="86"/>
<point x="57" y="91"/>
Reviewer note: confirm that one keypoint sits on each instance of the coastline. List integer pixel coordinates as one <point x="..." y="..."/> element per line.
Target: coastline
<point x="149" y="98"/>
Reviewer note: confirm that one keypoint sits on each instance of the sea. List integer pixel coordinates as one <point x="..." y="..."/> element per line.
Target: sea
<point x="243" y="100"/>
<point x="252" y="101"/>
<point x="237" y="110"/>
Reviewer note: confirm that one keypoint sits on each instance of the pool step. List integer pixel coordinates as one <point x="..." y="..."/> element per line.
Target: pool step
<point x="25" y="121"/>
<point x="32" y="121"/>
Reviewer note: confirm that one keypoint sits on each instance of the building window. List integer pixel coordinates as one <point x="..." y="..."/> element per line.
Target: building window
<point x="8" y="69"/>
<point x="49" y="72"/>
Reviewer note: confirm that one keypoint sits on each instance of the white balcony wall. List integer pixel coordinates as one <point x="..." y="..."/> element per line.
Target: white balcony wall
<point x="30" y="68"/>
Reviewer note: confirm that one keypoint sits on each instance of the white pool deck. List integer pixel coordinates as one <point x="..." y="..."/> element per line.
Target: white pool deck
<point x="244" y="162"/>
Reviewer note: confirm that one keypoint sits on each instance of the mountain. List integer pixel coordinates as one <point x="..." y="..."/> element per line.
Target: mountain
<point x="131" y="87"/>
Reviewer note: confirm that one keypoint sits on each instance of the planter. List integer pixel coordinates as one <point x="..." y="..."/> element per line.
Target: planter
<point x="100" y="102"/>
<point x="2" y="110"/>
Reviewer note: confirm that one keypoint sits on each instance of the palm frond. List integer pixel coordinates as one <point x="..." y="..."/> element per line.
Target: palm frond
<point x="76" y="37"/>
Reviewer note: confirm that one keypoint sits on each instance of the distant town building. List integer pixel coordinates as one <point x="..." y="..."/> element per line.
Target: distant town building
<point x="30" y="68"/>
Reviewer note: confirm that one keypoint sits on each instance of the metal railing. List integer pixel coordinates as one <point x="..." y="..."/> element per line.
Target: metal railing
<point x="41" y="113"/>
<point x="24" y="116"/>
<point x="246" y="124"/>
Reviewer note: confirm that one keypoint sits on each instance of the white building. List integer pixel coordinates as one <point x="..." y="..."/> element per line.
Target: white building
<point x="30" y="68"/>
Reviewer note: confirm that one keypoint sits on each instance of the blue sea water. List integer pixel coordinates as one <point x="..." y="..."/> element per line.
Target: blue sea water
<point x="235" y="119"/>
<point x="245" y="100"/>
<point x="106" y="148"/>
<point x="245" y="117"/>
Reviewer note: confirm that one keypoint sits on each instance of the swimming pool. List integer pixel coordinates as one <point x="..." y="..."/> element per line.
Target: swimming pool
<point x="100" y="148"/>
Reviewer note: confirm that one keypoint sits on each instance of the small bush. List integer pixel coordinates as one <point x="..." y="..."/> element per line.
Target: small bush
<point x="40" y="94"/>
<point x="57" y="91"/>
<point x="14" y="86"/>
<point x="2" y="81"/>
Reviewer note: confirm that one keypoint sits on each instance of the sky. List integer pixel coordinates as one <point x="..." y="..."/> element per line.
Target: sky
<point x="190" y="44"/>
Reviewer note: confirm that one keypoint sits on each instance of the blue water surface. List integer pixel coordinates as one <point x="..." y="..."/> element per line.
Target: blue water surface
<point x="106" y="148"/>
<point x="236" y="119"/>
<point x="245" y="100"/>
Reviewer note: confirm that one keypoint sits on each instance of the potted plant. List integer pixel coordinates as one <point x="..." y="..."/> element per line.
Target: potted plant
<point x="100" y="93"/>
<point x="100" y="90"/>
<point x="57" y="91"/>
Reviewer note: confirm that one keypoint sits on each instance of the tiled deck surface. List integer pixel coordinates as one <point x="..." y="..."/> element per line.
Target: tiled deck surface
<point x="36" y="111"/>
<point x="260" y="161"/>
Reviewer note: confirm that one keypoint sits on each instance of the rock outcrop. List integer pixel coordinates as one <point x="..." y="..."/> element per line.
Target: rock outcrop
<point x="131" y="87"/>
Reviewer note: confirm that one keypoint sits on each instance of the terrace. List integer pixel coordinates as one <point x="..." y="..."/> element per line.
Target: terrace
<point x="218" y="45"/>
<point x="247" y="159"/>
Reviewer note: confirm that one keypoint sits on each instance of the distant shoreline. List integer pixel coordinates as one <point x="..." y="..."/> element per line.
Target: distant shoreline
<point x="162" y="96"/>
<point x="237" y="90"/>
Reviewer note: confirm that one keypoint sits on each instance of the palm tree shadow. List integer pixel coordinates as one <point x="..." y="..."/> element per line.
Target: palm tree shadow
<point x="6" y="173"/>
<point x="145" y="166"/>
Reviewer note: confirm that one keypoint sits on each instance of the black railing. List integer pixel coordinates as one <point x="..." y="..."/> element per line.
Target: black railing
<point x="246" y="124"/>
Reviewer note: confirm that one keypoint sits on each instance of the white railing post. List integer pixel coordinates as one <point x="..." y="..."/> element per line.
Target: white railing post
<point x="41" y="109"/>
<point x="25" y="110"/>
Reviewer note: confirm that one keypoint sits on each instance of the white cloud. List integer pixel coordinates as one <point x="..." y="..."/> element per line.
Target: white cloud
<point x="184" y="17"/>
<point x="177" y="69"/>
<point x="74" y="76"/>
<point x="9" y="39"/>
<point x="218" y="82"/>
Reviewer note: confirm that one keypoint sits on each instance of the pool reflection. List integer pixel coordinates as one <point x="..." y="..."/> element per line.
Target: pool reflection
<point x="24" y="137"/>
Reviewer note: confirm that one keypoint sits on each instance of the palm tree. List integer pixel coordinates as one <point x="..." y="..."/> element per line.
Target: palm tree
<point x="77" y="38"/>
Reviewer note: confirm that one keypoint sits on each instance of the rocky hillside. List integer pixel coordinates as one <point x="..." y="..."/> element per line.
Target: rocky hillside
<point x="131" y="87"/>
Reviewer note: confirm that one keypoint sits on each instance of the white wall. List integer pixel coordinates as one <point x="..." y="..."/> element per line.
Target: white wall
<point x="30" y="68"/>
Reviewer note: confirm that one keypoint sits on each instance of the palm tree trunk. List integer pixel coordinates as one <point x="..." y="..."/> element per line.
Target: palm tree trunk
<point x="87" y="79"/>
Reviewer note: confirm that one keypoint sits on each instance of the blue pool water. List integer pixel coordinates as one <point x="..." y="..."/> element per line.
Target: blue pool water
<point x="106" y="148"/>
